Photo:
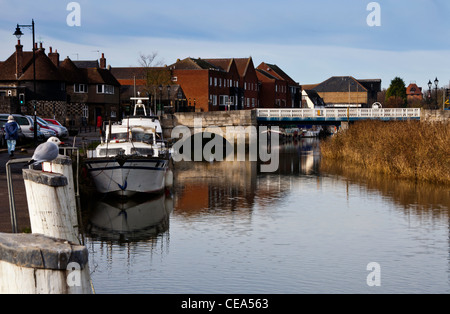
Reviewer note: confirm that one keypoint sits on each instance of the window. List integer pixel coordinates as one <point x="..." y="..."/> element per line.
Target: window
<point x="80" y="88"/>
<point x="85" y="112"/>
<point x="223" y="100"/>
<point x="213" y="99"/>
<point x="105" y="89"/>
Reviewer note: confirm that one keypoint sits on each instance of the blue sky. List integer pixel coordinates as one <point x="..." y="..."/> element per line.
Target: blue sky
<point x="310" y="40"/>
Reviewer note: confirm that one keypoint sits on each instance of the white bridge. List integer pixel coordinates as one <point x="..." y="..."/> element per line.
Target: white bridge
<point x="335" y="115"/>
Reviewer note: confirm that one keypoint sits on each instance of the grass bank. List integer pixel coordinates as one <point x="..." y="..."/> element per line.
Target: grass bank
<point x="410" y="150"/>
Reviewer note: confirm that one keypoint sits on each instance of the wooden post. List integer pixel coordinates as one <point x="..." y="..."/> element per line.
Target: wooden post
<point x="51" y="203"/>
<point x="36" y="264"/>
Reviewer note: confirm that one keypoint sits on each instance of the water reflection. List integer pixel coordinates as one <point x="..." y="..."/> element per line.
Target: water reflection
<point x="235" y="229"/>
<point x="417" y="198"/>
<point x="140" y="218"/>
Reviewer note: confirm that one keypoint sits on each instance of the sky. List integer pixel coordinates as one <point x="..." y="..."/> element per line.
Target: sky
<point x="310" y="40"/>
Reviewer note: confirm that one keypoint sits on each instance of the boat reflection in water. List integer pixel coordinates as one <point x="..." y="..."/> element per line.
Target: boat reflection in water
<point x="134" y="219"/>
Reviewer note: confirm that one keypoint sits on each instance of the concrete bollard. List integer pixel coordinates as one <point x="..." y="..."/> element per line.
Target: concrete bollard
<point x="51" y="202"/>
<point x="36" y="264"/>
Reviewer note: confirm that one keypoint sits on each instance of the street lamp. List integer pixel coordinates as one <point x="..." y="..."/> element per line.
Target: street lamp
<point x="436" y="82"/>
<point x="429" y="92"/>
<point x="168" y="96"/>
<point x="160" y="96"/>
<point x="18" y="33"/>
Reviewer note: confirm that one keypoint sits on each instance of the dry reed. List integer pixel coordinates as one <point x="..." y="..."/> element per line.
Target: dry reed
<point x="410" y="150"/>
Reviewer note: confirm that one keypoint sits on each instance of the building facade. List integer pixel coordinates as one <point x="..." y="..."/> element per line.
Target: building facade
<point x="59" y="90"/>
<point x="346" y="91"/>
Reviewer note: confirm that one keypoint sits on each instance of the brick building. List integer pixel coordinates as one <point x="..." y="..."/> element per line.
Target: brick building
<point x="218" y="84"/>
<point x="154" y="83"/>
<point x="343" y="91"/>
<point x="17" y="84"/>
<point x="63" y="89"/>
<point x="414" y="93"/>
<point x="278" y="90"/>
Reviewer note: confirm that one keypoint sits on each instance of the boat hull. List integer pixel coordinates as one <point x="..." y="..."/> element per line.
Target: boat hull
<point x="128" y="176"/>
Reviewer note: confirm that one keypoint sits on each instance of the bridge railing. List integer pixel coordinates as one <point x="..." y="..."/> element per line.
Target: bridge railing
<point x="340" y="113"/>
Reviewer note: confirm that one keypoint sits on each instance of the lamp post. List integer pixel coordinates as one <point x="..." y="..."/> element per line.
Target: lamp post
<point x="429" y="92"/>
<point x="160" y="97"/>
<point x="18" y="33"/>
<point x="168" y="97"/>
<point x="436" y="82"/>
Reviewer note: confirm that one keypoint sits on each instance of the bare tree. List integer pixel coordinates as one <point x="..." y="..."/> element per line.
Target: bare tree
<point x="150" y="60"/>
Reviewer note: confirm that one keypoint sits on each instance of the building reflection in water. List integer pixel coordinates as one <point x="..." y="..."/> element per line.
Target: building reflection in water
<point x="202" y="187"/>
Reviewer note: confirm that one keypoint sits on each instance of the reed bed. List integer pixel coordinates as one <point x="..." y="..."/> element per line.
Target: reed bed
<point x="409" y="150"/>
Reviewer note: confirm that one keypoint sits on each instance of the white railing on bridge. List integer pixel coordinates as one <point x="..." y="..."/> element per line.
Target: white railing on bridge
<point x="341" y="113"/>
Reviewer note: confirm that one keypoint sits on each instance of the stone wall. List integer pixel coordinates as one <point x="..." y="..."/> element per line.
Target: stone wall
<point x="435" y="115"/>
<point x="64" y="112"/>
<point x="220" y="119"/>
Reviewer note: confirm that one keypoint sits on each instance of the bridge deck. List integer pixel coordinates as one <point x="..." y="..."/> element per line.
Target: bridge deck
<point x="330" y="115"/>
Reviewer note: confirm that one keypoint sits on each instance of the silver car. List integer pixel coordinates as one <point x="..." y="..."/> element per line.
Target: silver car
<point x="26" y="124"/>
<point x="61" y="131"/>
<point x="46" y="131"/>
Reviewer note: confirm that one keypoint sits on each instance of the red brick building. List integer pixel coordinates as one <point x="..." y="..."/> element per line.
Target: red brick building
<point x="278" y="90"/>
<point x="414" y="93"/>
<point x="63" y="89"/>
<point x="218" y="84"/>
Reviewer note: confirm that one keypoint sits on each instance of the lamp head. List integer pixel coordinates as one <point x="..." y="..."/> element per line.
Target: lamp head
<point x="18" y="33"/>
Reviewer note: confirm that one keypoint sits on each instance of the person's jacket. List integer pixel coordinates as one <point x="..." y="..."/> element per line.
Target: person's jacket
<point x="11" y="130"/>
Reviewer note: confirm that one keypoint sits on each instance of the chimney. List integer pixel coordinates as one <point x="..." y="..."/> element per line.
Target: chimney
<point x="19" y="59"/>
<point x="54" y="56"/>
<point x="103" y="62"/>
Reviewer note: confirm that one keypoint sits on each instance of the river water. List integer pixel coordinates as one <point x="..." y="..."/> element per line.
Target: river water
<point x="308" y="228"/>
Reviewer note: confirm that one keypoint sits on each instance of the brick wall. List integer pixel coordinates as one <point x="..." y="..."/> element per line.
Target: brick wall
<point x="343" y="98"/>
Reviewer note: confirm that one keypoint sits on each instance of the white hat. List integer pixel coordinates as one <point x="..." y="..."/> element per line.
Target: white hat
<point x="11" y="118"/>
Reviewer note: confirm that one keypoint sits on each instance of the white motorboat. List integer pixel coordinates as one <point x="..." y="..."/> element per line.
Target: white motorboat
<point x="132" y="159"/>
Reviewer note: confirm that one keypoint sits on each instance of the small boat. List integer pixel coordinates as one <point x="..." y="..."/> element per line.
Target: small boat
<point x="133" y="158"/>
<point x="310" y="133"/>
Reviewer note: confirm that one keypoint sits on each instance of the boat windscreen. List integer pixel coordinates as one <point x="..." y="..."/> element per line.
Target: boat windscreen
<point x="135" y="137"/>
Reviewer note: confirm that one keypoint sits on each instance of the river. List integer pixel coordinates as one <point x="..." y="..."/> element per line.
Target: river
<point x="308" y="228"/>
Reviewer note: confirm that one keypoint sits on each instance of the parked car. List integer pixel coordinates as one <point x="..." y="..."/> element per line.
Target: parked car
<point x="2" y="133"/>
<point x="45" y="130"/>
<point x="60" y="130"/>
<point x="21" y="137"/>
<point x="26" y="124"/>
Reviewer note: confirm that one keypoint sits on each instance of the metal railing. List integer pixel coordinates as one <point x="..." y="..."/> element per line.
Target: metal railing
<point x="341" y="113"/>
<point x="9" y="181"/>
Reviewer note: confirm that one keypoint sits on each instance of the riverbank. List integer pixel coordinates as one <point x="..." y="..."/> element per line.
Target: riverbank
<point x="413" y="150"/>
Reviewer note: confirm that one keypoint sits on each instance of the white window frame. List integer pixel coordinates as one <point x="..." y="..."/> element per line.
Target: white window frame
<point x="80" y="88"/>
<point x="105" y="89"/>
